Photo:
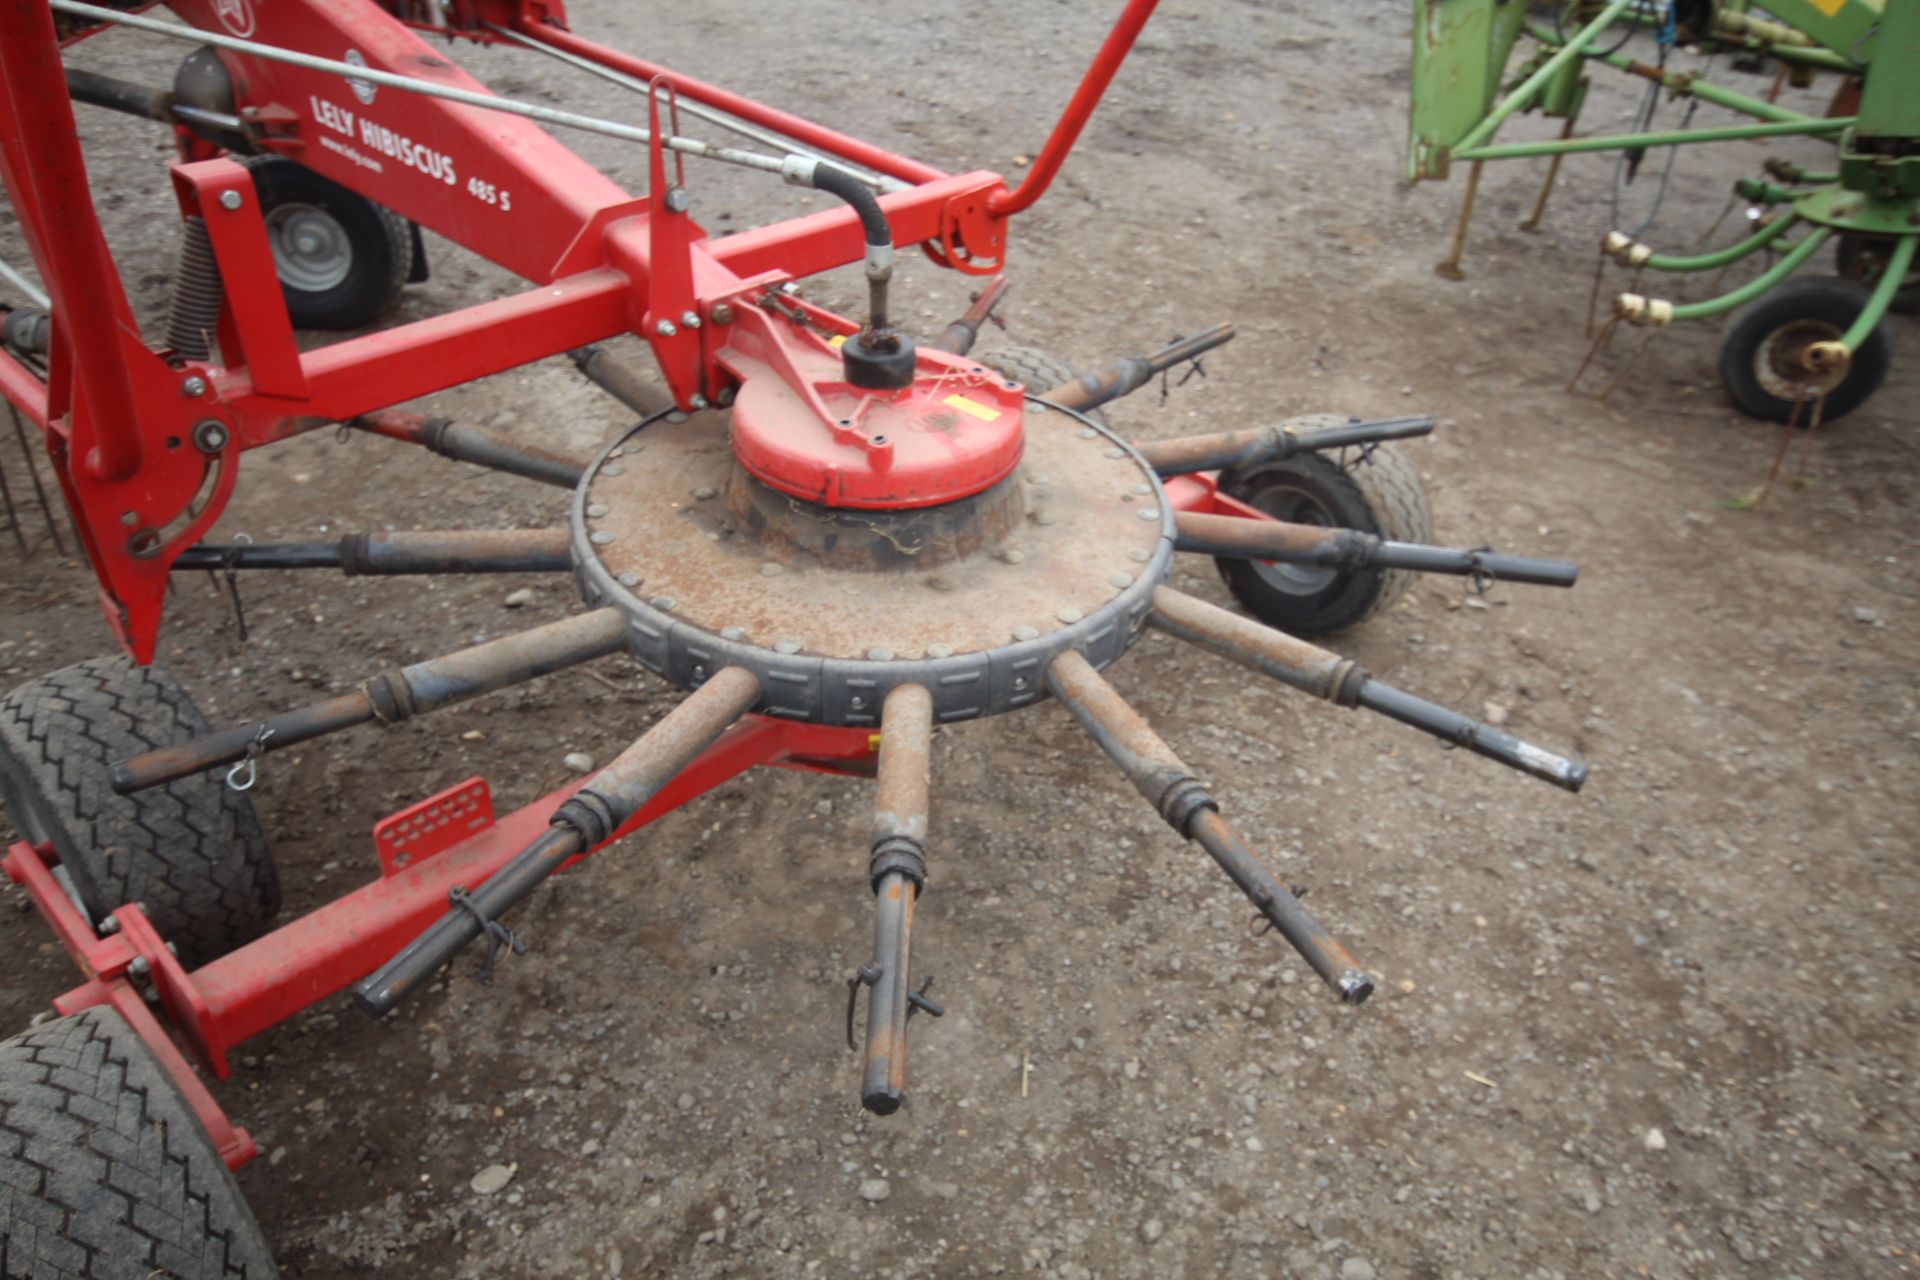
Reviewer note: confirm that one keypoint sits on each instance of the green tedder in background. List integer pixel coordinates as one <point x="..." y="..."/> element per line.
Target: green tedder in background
<point x="1798" y="350"/>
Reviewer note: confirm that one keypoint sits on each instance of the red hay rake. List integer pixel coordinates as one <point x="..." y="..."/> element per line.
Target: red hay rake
<point x="883" y="535"/>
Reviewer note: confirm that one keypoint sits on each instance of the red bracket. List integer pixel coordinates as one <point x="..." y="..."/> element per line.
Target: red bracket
<point x="108" y="963"/>
<point x="433" y="826"/>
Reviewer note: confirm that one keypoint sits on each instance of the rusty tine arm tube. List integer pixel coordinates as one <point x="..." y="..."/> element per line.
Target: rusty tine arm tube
<point x="589" y="818"/>
<point x="897" y="868"/>
<point x="385" y="554"/>
<point x="1130" y="373"/>
<point x="1326" y="675"/>
<point x="959" y="336"/>
<point x="472" y="445"/>
<point x="389" y="697"/>
<point x="1171" y="788"/>
<point x="1251" y="539"/>
<point x="1228" y="449"/>
<point x="621" y="382"/>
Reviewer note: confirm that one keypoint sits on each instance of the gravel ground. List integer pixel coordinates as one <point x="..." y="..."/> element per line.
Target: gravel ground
<point x="1665" y="1028"/>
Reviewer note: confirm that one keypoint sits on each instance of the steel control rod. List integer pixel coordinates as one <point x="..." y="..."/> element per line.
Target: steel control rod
<point x="1226" y="450"/>
<point x="1243" y="538"/>
<point x="389" y="697"/>
<point x="1130" y="373"/>
<point x="590" y="818"/>
<point x="385" y="554"/>
<point x="1158" y="774"/>
<point x="1314" y="670"/>
<point x="897" y="870"/>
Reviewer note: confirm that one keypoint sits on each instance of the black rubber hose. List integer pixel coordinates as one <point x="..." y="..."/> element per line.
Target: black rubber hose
<point x="838" y="182"/>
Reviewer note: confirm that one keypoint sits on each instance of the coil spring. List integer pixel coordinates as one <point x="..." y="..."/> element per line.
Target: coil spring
<point x="194" y="311"/>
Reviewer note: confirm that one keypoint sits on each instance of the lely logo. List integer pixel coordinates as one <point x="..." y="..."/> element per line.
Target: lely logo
<point x="362" y="89"/>
<point x="235" y="15"/>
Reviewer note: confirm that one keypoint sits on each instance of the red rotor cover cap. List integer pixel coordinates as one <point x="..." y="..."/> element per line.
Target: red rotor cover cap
<point x="953" y="433"/>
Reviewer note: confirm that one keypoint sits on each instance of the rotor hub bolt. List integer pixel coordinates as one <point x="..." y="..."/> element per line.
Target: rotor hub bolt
<point x="230" y="200"/>
<point x="210" y="436"/>
<point x="690" y="319"/>
<point x="665" y="329"/>
<point x="193" y="386"/>
<point x="721" y="313"/>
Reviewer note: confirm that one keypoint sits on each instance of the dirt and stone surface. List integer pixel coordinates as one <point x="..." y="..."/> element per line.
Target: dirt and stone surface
<point x="1664" y="1028"/>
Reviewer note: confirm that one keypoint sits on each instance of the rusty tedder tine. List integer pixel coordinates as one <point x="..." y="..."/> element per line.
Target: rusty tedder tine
<point x="389" y="697"/>
<point x="1327" y="675"/>
<point x="1247" y="539"/>
<point x="590" y="818"/>
<point x="1224" y="450"/>
<point x="897" y="869"/>
<point x="619" y="380"/>
<point x="1130" y="373"/>
<point x="471" y="444"/>
<point x="1172" y="789"/>
<point x="384" y="554"/>
<point x="959" y="336"/>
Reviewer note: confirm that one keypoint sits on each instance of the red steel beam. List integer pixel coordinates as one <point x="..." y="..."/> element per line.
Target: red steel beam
<point x="309" y="959"/>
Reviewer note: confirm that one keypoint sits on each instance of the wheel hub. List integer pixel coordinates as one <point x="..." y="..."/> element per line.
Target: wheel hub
<point x="311" y="250"/>
<point x="832" y="608"/>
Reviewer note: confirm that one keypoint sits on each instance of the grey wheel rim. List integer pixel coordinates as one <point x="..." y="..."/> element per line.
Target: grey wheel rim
<point x="311" y="250"/>
<point x="1296" y="507"/>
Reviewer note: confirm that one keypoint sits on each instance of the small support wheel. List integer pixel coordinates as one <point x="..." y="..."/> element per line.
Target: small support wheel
<point x="1864" y="258"/>
<point x="1763" y="358"/>
<point x="104" y="1169"/>
<point x="1376" y="491"/>
<point x="191" y="852"/>
<point x="341" y="258"/>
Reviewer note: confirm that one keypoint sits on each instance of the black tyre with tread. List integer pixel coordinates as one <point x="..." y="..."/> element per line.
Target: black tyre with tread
<point x="191" y="852"/>
<point x="1376" y="491"/>
<point x="1757" y="357"/>
<point x="104" y="1170"/>
<point x="341" y="258"/>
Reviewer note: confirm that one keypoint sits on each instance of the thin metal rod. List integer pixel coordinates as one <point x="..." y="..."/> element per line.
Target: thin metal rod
<point x="1226" y="450"/>
<point x="1130" y="373"/>
<point x="1243" y="538"/>
<point x="1891" y="281"/>
<point x="473" y="445"/>
<point x="391" y="554"/>
<point x="389" y="697"/>
<point x="372" y="75"/>
<point x="13" y="512"/>
<point x="619" y="380"/>
<point x="1317" y="671"/>
<point x="39" y="490"/>
<point x="733" y="124"/>
<point x="1448" y="268"/>
<point x="1773" y="275"/>
<point x="1158" y="774"/>
<point x="587" y="820"/>
<point x="1670" y="138"/>
<point x="1721" y="257"/>
<point x="960" y="335"/>
<point x="1523" y="95"/>
<point x="33" y="292"/>
<point x="897" y="870"/>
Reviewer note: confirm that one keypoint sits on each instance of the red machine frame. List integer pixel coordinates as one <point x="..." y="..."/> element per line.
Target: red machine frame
<point x="124" y="423"/>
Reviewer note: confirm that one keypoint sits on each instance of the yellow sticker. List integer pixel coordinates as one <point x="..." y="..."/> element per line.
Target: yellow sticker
<point x="1828" y="7"/>
<point x="986" y="413"/>
<point x="837" y="340"/>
